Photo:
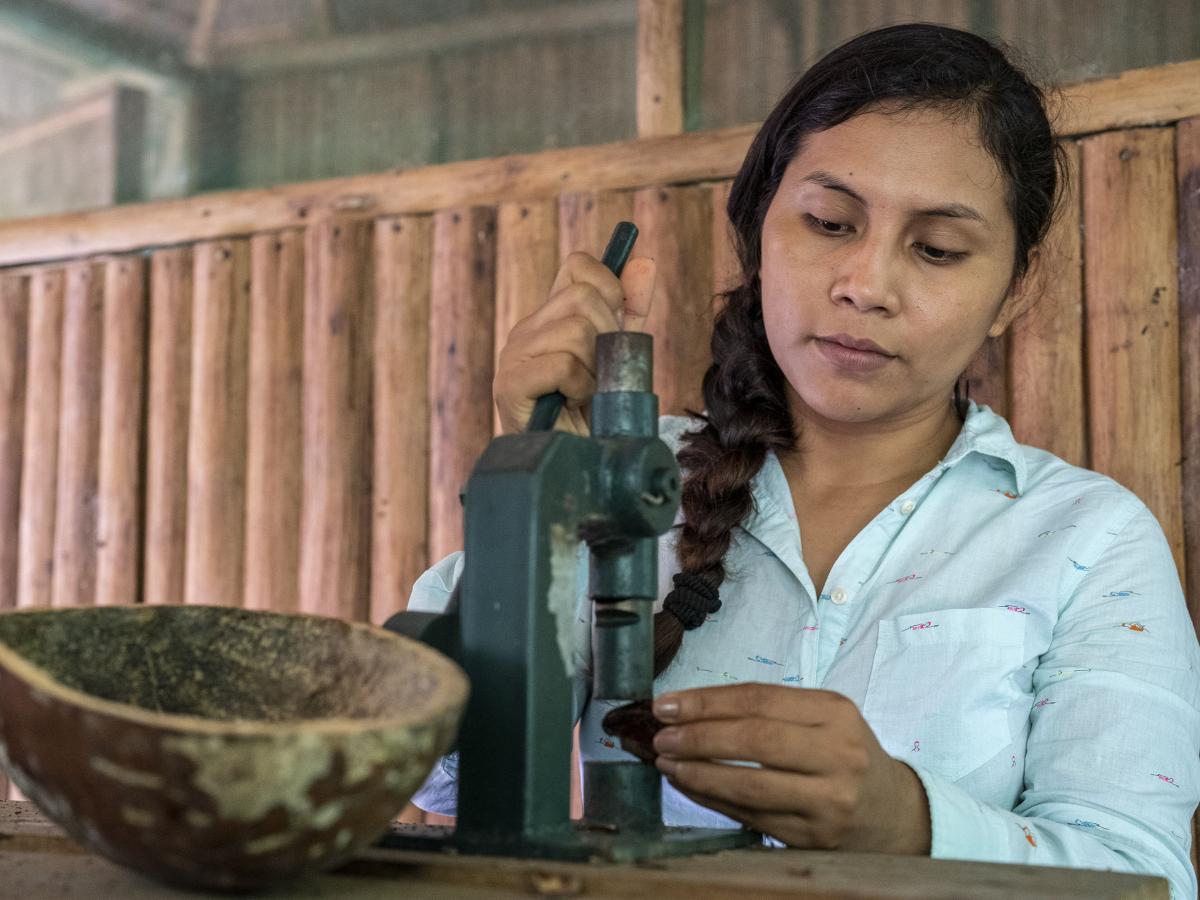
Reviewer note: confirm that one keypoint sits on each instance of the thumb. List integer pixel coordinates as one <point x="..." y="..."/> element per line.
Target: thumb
<point x="637" y="280"/>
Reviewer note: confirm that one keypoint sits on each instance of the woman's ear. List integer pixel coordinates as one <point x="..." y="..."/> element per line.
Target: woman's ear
<point x="1021" y="295"/>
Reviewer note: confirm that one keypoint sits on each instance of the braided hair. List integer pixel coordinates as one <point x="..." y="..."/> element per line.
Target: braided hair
<point x="902" y="67"/>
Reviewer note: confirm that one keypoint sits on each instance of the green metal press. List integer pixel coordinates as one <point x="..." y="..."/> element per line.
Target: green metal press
<point x="530" y="502"/>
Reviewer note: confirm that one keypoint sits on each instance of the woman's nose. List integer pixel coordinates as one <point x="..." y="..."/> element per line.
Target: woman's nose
<point x="866" y="274"/>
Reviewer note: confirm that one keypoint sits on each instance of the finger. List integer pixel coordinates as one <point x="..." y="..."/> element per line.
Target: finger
<point x="584" y="268"/>
<point x="581" y="300"/>
<point x="575" y="335"/>
<point x="639" y="279"/>
<point x="558" y="371"/>
<point x="793" y="830"/>
<point x="804" y="706"/>
<point x="762" y="790"/>
<point x="772" y="742"/>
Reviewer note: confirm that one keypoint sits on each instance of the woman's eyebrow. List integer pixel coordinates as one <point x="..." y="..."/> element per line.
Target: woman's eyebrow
<point x="946" y="210"/>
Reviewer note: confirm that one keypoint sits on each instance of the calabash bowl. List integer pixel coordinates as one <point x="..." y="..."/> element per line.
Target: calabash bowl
<point x="218" y="747"/>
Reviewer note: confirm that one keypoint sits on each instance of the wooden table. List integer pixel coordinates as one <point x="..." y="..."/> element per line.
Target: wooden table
<point x="38" y="862"/>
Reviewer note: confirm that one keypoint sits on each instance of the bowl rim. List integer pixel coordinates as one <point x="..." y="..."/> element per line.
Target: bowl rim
<point x="451" y="687"/>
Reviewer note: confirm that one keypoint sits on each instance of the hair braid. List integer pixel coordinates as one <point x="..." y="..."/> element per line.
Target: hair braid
<point x="746" y="415"/>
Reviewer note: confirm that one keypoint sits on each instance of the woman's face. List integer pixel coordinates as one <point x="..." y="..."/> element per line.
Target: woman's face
<point x="891" y="228"/>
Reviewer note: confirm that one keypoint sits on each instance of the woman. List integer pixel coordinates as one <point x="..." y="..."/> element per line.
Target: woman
<point x="998" y="654"/>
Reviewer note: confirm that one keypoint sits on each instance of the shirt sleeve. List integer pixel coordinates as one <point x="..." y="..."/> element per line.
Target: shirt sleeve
<point x="1112" y="770"/>
<point x="431" y="593"/>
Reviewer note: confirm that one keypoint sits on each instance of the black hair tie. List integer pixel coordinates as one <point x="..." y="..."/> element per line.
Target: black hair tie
<point x="693" y="599"/>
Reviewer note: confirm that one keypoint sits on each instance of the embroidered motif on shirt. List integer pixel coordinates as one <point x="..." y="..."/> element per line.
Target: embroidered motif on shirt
<point x="793" y="679"/>
<point x="1056" y="530"/>
<point x="1009" y="494"/>
<point x="1029" y="837"/>
<point x="1164" y="778"/>
<point x="913" y="577"/>
<point x="1017" y="609"/>
<point x="1133" y="626"/>
<point x="1122" y="594"/>
<point x="764" y="660"/>
<point x="1085" y="824"/>
<point x="1080" y="567"/>
<point x="1044" y="702"/>
<point x="920" y="627"/>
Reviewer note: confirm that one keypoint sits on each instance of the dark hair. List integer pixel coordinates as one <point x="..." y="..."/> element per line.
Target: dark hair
<point x="901" y="67"/>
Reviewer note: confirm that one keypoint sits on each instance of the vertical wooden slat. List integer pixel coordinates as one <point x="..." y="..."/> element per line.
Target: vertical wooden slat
<point x="1130" y="263"/>
<point x="461" y="348"/>
<point x="216" y="471"/>
<point x="168" y="401"/>
<point x="121" y="410"/>
<point x="39" y="473"/>
<point x="1187" y="155"/>
<point x="273" y="444"/>
<point x="79" y="437"/>
<point x="676" y="230"/>
<point x="660" y="50"/>
<point x="526" y="263"/>
<point x="335" y="544"/>
<point x="400" y="525"/>
<point x="586" y="220"/>
<point x="14" y="333"/>
<point x="1046" y="394"/>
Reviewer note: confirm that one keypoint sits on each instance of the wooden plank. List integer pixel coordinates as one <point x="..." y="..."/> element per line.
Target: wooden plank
<point x="1047" y="406"/>
<point x="122" y="410"/>
<point x="216" y="470"/>
<point x="659" y="67"/>
<point x="274" y="459"/>
<point x="14" y="334"/>
<point x="1187" y="168"/>
<point x="676" y="230"/>
<point x="1130" y="260"/>
<point x="526" y="263"/>
<point x="79" y="437"/>
<point x="39" y="473"/>
<point x="461" y="348"/>
<point x="167" y="403"/>
<point x="587" y="218"/>
<point x="400" y="525"/>
<point x="335" y="521"/>
<point x="1137" y="97"/>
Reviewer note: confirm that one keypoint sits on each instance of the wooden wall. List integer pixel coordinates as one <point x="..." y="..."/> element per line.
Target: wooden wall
<point x="272" y="398"/>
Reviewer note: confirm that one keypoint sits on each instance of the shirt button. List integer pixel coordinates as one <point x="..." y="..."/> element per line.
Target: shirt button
<point x="839" y="596"/>
<point x="907" y="507"/>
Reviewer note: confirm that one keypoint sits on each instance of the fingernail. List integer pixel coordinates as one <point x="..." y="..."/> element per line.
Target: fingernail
<point x="666" y="708"/>
<point x="666" y="740"/>
<point x="666" y="765"/>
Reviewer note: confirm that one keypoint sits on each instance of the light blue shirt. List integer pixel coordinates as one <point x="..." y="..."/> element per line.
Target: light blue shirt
<point x="1011" y="626"/>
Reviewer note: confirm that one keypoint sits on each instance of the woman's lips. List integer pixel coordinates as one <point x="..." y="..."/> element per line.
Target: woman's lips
<point x="852" y="360"/>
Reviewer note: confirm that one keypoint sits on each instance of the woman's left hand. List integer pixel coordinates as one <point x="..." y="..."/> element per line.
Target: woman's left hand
<point x="823" y="780"/>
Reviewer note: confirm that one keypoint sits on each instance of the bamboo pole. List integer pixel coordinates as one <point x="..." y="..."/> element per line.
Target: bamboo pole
<point x="676" y="230"/>
<point x="14" y="333"/>
<point x="400" y="524"/>
<point x="461" y="348"/>
<point x="1047" y="403"/>
<point x="79" y="437"/>
<point x="168" y="401"/>
<point x="1133" y="318"/>
<point x="216" y="471"/>
<point x="121" y="433"/>
<point x="273" y="442"/>
<point x="39" y="474"/>
<point x="1187" y="174"/>
<point x="335" y="517"/>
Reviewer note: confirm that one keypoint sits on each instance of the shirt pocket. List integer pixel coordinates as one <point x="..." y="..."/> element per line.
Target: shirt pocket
<point x="942" y="685"/>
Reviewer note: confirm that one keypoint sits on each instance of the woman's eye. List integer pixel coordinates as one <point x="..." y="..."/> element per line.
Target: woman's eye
<point x="937" y="255"/>
<point x="824" y="226"/>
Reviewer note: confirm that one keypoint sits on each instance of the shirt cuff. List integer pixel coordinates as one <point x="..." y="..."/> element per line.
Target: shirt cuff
<point x="960" y="826"/>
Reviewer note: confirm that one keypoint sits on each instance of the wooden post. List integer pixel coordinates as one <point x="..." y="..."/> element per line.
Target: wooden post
<point x="587" y="218"/>
<point x="335" y="544"/>
<point x="1133" y="318"/>
<point x="461" y="348"/>
<point x="273" y="443"/>
<point x="79" y="437"/>
<point x="14" y="333"/>
<point x="121" y="415"/>
<point x="526" y="263"/>
<point x="39" y="473"/>
<point x="168" y="401"/>
<point x="1047" y="404"/>
<point x="400" y="524"/>
<point x="1187" y="167"/>
<point x="216" y="478"/>
<point x="676" y="230"/>
<point x="660" y="67"/>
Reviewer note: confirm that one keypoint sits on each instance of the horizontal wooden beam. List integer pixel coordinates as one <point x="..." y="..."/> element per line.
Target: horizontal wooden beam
<point x="436" y="37"/>
<point x="1136" y="98"/>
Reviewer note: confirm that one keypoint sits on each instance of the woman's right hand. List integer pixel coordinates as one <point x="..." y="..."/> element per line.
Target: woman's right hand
<point x="554" y="348"/>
